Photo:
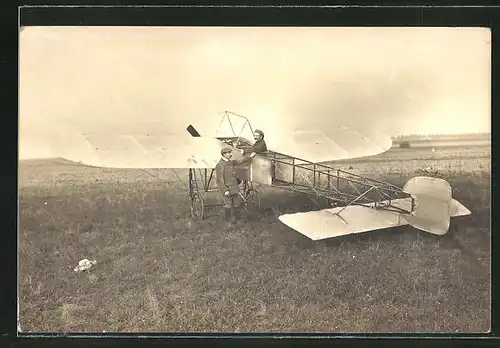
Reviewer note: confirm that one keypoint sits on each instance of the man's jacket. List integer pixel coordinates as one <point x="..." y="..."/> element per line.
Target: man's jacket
<point x="226" y="177"/>
<point x="259" y="147"/>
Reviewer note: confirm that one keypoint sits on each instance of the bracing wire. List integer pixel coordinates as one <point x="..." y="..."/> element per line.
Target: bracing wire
<point x="164" y="181"/>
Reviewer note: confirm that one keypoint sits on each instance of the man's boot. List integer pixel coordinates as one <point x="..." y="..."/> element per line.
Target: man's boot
<point x="243" y="214"/>
<point x="227" y="212"/>
<point x="233" y="215"/>
<point x="237" y="215"/>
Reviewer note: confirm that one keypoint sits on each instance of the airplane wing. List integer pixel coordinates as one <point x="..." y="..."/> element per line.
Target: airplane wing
<point x="313" y="145"/>
<point x="184" y="151"/>
<point x="333" y="144"/>
<point x="142" y="151"/>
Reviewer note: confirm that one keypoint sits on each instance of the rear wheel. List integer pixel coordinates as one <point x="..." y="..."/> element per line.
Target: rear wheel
<point x="197" y="207"/>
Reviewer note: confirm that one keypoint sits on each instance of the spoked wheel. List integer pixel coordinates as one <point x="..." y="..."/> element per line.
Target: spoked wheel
<point x="197" y="207"/>
<point x="253" y="201"/>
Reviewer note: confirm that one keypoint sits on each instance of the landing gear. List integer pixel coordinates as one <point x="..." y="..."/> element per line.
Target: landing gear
<point x="251" y="198"/>
<point x="197" y="207"/>
<point x="248" y="194"/>
<point x="252" y="201"/>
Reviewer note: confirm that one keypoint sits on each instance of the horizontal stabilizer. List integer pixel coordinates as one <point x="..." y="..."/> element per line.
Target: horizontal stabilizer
<point x="323" y="224"/>
<point x="143" y="151"/>
<point x="458" y="209"/>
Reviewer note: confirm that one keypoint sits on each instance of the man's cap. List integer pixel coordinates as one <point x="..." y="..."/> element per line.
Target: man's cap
<point x="258" y="131"/>
<point x="225" y="150"/>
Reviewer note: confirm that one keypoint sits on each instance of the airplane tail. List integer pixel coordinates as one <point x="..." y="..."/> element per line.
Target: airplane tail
<point x="433" y="209"/>
<point x="434" y="204"/>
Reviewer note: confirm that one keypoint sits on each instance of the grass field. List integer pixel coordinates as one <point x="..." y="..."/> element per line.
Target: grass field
<point x="158" y="271"/>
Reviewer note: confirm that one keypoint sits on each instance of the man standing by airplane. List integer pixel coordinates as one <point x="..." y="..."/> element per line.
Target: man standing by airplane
<point x="228" y="184"/>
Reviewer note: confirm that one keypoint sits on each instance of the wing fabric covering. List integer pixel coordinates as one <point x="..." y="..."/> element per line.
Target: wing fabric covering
<point x="143" y="151"/>
<point x="323" y="224"/>
<point x="184" y="151"/>
<point x="332" y="144"/>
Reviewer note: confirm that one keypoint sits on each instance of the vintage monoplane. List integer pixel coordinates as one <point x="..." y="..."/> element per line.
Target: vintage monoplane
<point x="357" y="204"/>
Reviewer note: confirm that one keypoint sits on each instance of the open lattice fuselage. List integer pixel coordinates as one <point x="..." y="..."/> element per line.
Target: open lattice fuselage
<point x="341" y="188"/>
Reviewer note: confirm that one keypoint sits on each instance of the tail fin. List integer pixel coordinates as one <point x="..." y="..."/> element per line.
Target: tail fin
<point x="433" y="204"/>
<point x="193" y="131"/>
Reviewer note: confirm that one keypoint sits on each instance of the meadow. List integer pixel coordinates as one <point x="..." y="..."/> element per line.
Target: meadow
<point x="159" y="271"/>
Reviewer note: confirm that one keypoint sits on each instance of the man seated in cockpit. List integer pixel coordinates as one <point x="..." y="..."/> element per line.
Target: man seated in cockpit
<point x="258" y="147"/>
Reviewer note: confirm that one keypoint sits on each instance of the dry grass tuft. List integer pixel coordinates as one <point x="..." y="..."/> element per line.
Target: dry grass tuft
<point x="152" y="304"/>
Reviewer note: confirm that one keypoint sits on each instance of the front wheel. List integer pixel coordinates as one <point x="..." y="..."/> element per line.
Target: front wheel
<point x="197" y="207"/>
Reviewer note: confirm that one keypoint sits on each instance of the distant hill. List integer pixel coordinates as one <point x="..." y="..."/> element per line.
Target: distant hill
<point x="437" y="140"/>
<point x="447" y="137"/>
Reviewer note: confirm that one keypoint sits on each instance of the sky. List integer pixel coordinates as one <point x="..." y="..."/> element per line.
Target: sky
<point x="161" y="79"/>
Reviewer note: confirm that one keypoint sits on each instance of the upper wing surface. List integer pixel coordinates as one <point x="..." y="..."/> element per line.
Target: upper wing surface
<point x="336" y="143"/>
<point x="143" y="151"/>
